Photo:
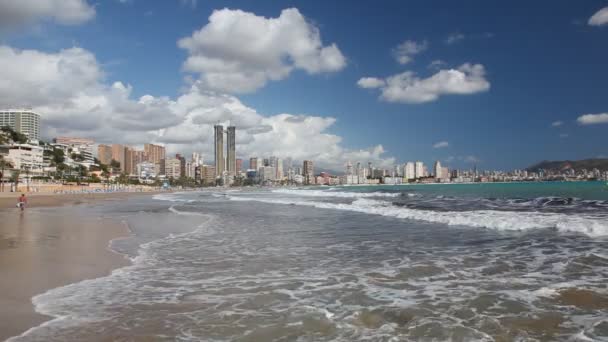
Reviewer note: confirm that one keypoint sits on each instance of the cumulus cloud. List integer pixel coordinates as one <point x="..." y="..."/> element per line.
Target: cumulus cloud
<point x="599" y="18"/>
<point x="406" y="87"/>
<point x="68" y="12"/>
<point x="370" y="82"/>
<point x="454" y="38"/>
<point x="239" y="52"/>
<point x="557" y="123"/>
<point x="405" y="52"/>
<point x="69" y="89"/>
<point x="441" y="144"/>
<point x="593" y="119"/>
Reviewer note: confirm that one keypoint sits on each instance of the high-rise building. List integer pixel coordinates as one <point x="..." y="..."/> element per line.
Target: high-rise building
<point x="267" y="173"/>
<point x="118" y="154"/>
<point x="254" y="163"/>
<point x="370" y="169"/>
<point x="308" y="171"/>
<point x="182" y="167"/>
<point x="154" y="153"/>
<point x="349" y="168"/>
<point x="279" y="169"/>
<point x="104" y="154"/>
<point x="437" y="169"/>
<point x="410" y="171"/>
<point x="80" y="146"/>
<point x="419" y="169"/>
<point x="208" y="175"/>
<point x="23" y="121"/>
<point x="231" y="150"/>
<point x="130" y="164"/>
<point x="173" y="168"/>
<point x="197" y="160"/>
<point x="220" y="163"/>
<point x="239" y="165"/>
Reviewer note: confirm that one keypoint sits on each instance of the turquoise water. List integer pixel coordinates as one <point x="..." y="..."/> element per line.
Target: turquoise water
<point x="582" y="190"/>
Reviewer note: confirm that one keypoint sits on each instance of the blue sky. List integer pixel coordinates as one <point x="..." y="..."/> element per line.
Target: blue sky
<point x="542" y="62"/>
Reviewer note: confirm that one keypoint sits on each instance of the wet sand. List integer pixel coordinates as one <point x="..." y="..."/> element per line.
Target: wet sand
<point x="8" y="200"/>
<point x="42" y="249"/>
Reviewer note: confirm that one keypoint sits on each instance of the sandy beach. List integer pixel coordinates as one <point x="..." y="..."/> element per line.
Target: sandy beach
<point x="42" y="249"/>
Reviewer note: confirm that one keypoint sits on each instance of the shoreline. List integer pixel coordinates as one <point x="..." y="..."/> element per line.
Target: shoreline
<point x="41" y="250"/>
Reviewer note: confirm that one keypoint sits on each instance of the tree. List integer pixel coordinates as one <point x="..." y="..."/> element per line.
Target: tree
<point x="115" y="164"/>
<point x="123" y="178"/>
<point x="14" y="135"/>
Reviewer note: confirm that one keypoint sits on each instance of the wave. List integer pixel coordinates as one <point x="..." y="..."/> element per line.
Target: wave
<point x="493" y="219"/>
<point x="340" y="194"/>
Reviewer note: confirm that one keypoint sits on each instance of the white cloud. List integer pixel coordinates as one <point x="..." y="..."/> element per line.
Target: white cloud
<point x="441" y="144"/>
<point x="599" y="18"/>
<point x="437" y="64"/>
<point x="557" y="123"/>
<point x="454" y="38"/>
<point x="593" y="119"/>
<point x="68" y="12"/>
<point x="405" y="52"/>
<point x="239" y="52"/>
<point x="190" y="3"/>
<point x="69" y="89"/>
<point x="370" y="82"/>
<point x="408" y="88"/>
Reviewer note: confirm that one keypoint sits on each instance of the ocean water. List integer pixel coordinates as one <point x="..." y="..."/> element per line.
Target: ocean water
<point x="478" y="262"/>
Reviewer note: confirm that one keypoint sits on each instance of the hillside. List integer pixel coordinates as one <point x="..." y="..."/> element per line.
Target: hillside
<point x="560" y="165"/>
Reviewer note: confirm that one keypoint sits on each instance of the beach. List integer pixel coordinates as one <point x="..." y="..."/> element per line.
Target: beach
<point x="44" y="247"/>
<point x="494" y="262"/>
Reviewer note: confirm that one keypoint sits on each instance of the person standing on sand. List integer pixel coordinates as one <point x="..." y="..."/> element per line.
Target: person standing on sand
<point x="21" y="202"/>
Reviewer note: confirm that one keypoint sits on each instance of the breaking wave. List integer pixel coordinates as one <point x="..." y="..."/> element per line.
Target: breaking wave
<point x="593" y="226"/>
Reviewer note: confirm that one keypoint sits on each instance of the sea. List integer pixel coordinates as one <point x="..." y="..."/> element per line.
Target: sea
<point x="434" y="262"/>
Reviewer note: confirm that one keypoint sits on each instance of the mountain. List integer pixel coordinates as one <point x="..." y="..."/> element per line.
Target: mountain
<point x="561" y="165"/>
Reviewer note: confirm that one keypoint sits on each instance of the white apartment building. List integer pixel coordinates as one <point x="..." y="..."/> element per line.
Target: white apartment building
<point x="267" y="173"/>
<point x="81" y="146"/>
<point x="409" y="171"/>
<point x="23" y="121"/>
<point x="419" y="170"/>
<point x="173" y="168"/>
<point x="26" y="157"/>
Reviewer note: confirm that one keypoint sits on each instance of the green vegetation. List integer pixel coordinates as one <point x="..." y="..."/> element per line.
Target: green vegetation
<point x="14" y="135"/>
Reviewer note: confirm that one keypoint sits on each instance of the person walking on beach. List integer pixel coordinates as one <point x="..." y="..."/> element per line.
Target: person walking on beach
<point x="21" y="202"/>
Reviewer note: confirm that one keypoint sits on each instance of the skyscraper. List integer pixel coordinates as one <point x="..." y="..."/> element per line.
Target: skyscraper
<point x="154" y="153"/>
<point x="437" y="169"/>
<point x="231" y="151"/>
<point x="220" y="163"/>
<point x="239" y="165"/>
<point x="104" y="154"/>
<point x="279" y="169"/>
<point x="308" y="171"/>
<point x="22" y="121"/>
<point x="419" y="169"/>
<point x="254" y="163"/>
<point x="118" y="154"/>
<point x="410" y="171"/>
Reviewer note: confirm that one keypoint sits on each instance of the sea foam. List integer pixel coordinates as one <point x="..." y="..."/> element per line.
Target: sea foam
<point x="340" y="194"/>
<point x="493" y="219"/>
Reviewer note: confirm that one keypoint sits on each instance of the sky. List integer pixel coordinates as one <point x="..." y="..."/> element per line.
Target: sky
<point x="499" y="85"/>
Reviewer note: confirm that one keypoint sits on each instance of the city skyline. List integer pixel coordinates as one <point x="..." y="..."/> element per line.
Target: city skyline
<point x="477" y="89"/>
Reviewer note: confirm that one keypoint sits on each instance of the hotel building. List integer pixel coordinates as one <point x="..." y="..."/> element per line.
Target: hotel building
<point x="22" y="121"/>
